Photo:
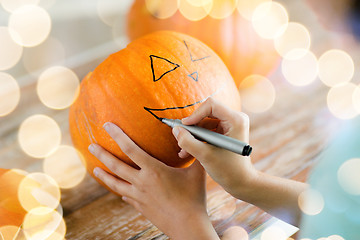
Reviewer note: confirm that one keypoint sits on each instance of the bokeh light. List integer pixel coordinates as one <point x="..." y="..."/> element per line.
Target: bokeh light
<point x="356" y="99"/>
<point x="335" y="66"/>
<point x="47" y="3"/>
<point x="199" y="3"/>
<point x="109" y="10"/>
<point x="49" y="53"/>
<point x="29" y="25"/>
<point x="222" y="8"/>
<point x="348" y="176"/>
<point x="9" y="94"/>
<point x="246" y="8"/>
<point x="270" y="20"/>
<point x="311" y="202"/>
<point x="12" y="5"/>
<point x="38" y="190"/>
<point x="58" y="87"/>
<point x="66" y="166"/>
<point x="118" y="29"/>
<point x="10" y="51"/>
<point x="340" y="101"/>
<point x="10" y="232"/>
<point x="194" y="13"/>
<point x="335" y="237"/>
<point x="296" y="36"/>
<point x="300" y="71"/>
<point x="39" y="136"/>
<point x="272" y="233"/>
<point x="162" y="8"/>
<point x="44" y="223"/>
<point x="259" y="95"/>
<point x="235" y="232"/>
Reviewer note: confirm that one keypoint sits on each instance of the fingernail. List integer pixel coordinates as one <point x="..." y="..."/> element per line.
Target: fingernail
<point x="106" y="126"/>
<point x="184" y="119"/>
<point x="96" y="172"/>
<point x="175" y="131"/>
<point x="124" y="198"/>
<point x="91" y="148"/>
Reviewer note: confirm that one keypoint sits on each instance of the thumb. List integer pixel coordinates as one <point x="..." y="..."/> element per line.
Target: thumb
<point x="189" y="143"/>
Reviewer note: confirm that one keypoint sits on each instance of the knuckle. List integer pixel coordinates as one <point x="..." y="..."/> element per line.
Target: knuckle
<point x="182" y="141"/>
<point x="99" y="153"/>
<point x="210" y="100"/>
<point x="127" y="148"/>
<point x="241" y="119"/>
<point x="117" y="188"/>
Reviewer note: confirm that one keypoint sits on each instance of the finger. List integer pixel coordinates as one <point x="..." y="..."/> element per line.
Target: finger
<point x="183" y="154"/>
<point x="209" y="123"/>
<point x="191" y="145"/>
<point x="117" y="166"/>
<point x="118" y="186"/>
<point x="133" y="151"/>
<point x="210" y="108"/>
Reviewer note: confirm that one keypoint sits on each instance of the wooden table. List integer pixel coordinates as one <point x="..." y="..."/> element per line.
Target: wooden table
<point x="286" y="140"/>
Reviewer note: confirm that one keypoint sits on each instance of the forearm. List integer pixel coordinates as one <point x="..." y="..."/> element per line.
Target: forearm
<point x="275" y="195"/>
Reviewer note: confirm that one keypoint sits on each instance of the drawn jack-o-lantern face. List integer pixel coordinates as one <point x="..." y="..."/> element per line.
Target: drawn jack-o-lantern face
<point x="164" y="74"/>
<point x="159" y="74"/>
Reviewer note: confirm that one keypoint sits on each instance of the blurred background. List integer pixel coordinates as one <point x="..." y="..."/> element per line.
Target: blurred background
<point x="279" y="53"/>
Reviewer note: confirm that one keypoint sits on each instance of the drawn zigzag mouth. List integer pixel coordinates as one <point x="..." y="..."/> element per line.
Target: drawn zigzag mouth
<point x="153" y="111"/>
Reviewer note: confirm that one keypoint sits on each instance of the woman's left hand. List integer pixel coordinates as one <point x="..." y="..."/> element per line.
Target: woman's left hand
<point x="173" y="199"/>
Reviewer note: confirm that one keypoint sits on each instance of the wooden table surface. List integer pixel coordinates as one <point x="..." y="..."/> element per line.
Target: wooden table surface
<point x="286" y="140"/>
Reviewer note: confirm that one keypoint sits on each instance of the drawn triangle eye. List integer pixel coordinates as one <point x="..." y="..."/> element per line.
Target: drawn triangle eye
<point x="194" y="76"/>
<point x="161" y="66"/>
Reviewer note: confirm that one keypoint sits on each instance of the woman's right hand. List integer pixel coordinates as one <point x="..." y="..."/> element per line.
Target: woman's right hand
<point x="232" y="171"/>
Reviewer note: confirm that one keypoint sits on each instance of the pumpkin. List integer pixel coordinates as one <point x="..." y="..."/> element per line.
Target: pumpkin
<point x="163" y="74"/>
<point x="11" y="211"/>
<point x="232" y="38"/>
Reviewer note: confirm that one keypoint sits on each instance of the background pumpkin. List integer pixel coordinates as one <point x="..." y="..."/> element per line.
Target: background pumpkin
<point x="164" y="73"/>
<point x="232" y="38"/>
<point x="11" y="211"/>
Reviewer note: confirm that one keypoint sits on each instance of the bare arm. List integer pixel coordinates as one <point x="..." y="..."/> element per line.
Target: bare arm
<point x="275" y="195"/>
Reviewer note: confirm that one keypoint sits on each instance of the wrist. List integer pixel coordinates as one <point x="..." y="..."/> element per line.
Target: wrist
<point x="244" y="187"/>
<point x="194" y="225"/>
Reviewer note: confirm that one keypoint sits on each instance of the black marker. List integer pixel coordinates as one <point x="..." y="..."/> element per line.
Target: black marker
<point x="212" y="138"/>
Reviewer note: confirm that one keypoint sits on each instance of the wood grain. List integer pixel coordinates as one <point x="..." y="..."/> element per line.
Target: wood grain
<point x="286" y="139"/>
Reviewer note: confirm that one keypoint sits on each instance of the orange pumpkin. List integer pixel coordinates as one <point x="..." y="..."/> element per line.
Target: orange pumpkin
<point x="232" y="38"/>
<point x="11" y="211"/>
<point x="163" y="74"/>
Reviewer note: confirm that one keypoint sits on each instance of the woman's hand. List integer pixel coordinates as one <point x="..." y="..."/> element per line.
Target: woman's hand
<point x="229" y="169"/>
<point x="278" y="196"/>
<point x="173" y="199"/>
